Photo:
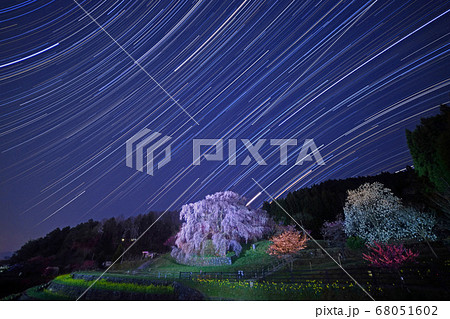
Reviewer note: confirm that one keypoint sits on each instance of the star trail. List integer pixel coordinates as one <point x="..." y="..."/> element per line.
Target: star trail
<point x="80" y="78"/>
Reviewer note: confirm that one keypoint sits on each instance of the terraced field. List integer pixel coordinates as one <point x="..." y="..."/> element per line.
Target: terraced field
<point x="253" y="276"/>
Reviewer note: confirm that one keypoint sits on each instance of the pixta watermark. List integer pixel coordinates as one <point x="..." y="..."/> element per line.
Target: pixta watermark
<point x="142" y="147"/>
<point x="151" y="141"/>
<point x="307" y="152"/>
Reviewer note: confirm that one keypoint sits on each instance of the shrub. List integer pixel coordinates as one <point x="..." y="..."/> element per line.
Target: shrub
<point x="389" y="256"/>
<point x="355" y="242"/>
<point x="88" y="264"/>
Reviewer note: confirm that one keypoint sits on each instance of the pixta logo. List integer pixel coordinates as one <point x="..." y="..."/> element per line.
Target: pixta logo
<point x="306" y="154"/>
<point x="151" y="141"/>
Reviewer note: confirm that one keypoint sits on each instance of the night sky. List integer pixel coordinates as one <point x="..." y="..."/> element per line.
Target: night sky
<point x="352" y="75"/>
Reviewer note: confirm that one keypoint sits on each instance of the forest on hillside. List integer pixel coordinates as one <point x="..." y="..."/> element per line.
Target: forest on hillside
<point x="88" y="245"/>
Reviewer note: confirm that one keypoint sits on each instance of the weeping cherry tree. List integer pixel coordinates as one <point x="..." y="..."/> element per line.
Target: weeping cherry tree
<point x="222" y="219"/>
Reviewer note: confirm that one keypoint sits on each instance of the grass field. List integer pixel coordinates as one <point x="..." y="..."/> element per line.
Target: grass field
<point x="47" y="295"/>
<point x="266" y="290"/>
<point x="44" y="293"/>
<point x="249" y="258"/>
<point x="108" y="285"/>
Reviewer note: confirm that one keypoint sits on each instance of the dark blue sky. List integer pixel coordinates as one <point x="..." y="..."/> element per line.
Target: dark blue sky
<point x="352" y="75"/>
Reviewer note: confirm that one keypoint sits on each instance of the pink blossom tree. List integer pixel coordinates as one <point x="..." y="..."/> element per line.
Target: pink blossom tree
<point x="287" y="244"/>
<point x="333" y="232"/>
<point x="223" y="219"/>
<point x="389" y="256"/>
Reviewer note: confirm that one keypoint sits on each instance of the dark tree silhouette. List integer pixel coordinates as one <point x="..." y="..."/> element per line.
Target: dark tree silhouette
<point x="429" y="148"/>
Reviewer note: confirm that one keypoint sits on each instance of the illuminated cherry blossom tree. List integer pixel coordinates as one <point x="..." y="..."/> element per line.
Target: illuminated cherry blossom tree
<point x="223" y="219"/>
<point x="287" y="244"/>
<point x="374" y="213"/>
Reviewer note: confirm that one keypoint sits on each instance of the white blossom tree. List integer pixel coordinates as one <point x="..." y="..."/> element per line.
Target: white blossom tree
<point x="375" y="214"/>
<point x="416" y="224"/>
<point x="224" y="220"/>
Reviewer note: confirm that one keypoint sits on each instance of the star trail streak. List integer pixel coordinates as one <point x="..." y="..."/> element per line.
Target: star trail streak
<point x="79" y="78"/>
